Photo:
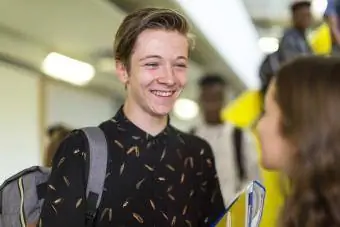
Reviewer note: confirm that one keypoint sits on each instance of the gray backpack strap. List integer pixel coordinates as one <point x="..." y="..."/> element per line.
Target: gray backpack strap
<point x="98" y="152"/>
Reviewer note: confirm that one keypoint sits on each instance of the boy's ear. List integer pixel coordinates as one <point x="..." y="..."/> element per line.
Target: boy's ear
<point x="121" y="72"/>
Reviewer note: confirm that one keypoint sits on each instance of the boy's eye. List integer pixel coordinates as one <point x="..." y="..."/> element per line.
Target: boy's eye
<point x="152" y="64"/>
<point x="180" y="65"/>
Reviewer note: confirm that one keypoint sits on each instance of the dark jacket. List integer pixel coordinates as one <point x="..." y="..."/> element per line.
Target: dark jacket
<point x="293" y="44"/>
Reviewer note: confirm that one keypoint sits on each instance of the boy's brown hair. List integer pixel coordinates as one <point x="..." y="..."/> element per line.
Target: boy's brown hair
<point x="147" y="18"/>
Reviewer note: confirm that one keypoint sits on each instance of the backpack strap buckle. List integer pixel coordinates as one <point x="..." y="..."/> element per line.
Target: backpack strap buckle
<point x="90" y="216"/>
<point x="91" y="209"/>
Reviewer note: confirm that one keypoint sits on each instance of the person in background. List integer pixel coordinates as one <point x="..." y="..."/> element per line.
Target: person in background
<point x="156" y="174"/>
<point x="234" y="151"/>
<point x="299" y="134"/>
<point x="332" y="17"/>
<point x="294" y="42"/>
<point x="269" y="66"/>
<point x="56" y="128"/>
<point x="56" y="134"/>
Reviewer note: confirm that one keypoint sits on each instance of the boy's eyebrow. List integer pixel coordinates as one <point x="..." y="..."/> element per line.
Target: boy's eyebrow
<point x="159" y="57"/>
<point x="150" y="56"/>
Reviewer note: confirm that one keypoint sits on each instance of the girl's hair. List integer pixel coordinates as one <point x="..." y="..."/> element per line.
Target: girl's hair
<point x="308" y="95"/>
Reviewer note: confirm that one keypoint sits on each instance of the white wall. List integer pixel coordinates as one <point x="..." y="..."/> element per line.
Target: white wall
<point x="19" y="120"/>
<point x="76" y="107"/>
<point x="22" y="115"/>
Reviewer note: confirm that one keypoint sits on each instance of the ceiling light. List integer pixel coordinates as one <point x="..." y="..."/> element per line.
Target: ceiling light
<point x="68" y="69"/>
<point x="318" y="8"/>
<point x="186" y="109"/>
<point x="268" y="44"/>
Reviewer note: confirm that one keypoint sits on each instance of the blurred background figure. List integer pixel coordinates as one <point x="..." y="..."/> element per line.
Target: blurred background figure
<point x="294" y="40"/>
<point x="267" y="70"/>
<point x="332" y="16"/>
<point x="56" y="134"/>
<point x="234" y="151"/>
<point x="55" y="130"/>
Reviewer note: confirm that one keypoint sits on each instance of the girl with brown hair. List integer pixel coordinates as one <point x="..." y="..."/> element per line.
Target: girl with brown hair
<point x="300" y="135"/>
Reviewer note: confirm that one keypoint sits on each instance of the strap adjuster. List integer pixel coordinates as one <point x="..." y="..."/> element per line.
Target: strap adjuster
<point x="91" y="209"/>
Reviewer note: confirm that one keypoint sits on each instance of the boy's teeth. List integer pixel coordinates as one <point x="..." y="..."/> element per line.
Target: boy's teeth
<point x="162" y="93"/>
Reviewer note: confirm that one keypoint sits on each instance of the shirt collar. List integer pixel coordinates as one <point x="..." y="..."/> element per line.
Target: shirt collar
<point x="125" y="125"/>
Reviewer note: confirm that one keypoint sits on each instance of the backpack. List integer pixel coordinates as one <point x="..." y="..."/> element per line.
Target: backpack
<point x="22" y="195"/>
<point x="238" y="151"/>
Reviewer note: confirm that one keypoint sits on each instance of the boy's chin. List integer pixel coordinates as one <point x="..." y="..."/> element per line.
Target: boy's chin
<point x="161" y="110"/>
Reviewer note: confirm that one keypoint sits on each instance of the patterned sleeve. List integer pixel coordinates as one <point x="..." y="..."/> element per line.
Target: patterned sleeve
<point x="212" y="204"/>
<point x="64" y="202"/>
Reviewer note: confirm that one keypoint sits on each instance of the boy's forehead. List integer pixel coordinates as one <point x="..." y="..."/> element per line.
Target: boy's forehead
<point x="154" y="42"/>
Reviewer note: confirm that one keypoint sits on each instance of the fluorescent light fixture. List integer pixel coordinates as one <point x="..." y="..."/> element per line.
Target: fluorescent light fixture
<point x="318" y="8"/>
<point x="186" y="109"/>
<point x="68" y="69"/>
<point x="268" y="44"/>
<point x="228" y="27"/>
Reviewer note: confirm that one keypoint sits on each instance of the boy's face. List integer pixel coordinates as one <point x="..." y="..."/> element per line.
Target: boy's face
<point x="158" y="71"/>
<point x="212" y="101"/>
<point x="303" y="17"/>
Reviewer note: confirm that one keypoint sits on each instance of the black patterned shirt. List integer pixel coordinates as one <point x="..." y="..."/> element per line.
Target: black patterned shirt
<point x="164" y="180"/>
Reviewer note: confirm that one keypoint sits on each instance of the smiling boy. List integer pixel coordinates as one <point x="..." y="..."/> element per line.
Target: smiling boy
<point x="170" y="178"/>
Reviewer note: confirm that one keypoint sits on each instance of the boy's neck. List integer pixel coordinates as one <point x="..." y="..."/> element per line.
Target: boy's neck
<point x="148" y="123"/>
